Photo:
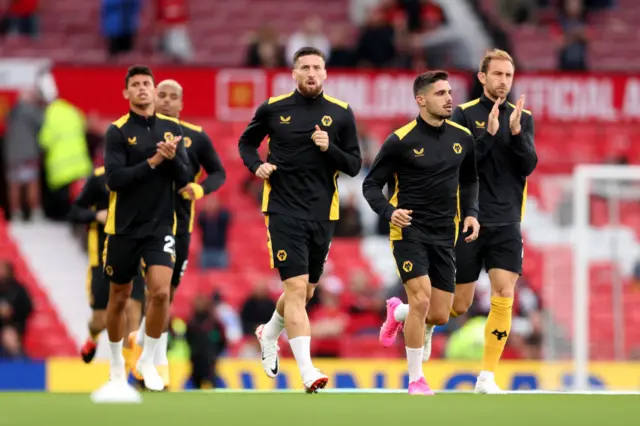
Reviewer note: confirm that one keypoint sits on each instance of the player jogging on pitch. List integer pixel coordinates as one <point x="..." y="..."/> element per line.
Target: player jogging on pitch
<point x="505" y="155"/>
<point x="201" y="153"/>
<point x="431" y="165"/>
<point x="312" y="138"/>
<point x="91" y="208"/>
<point x="145" y="162"/>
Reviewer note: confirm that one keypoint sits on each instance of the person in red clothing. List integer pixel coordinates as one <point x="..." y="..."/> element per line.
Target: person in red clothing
<point x="23" y="17"/>
<point x="172" y="17"/>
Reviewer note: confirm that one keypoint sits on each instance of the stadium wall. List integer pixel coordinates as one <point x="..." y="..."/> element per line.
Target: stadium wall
<point x="71" y="375"/>
<point x="233" y="94"/>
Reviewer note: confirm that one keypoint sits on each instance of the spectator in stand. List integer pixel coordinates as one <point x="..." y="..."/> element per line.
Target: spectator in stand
<point x="207" y="341"/>
<point x="22" y="153"/>
<point x="376" y="47"/>
<point x="329" y="321"/>
<point x="22" y="17"/>
<point x="342" y="55"/>
<point x="120" y="23"/>
<point x="364" y="304"/>
<point x="15" y="308"/>
<point x="10" y="345"/>
<point x="349" y="225"/>
<point x="573" y="37"/>
<point x="518" y="11"/>
<point x="411" y="53"/>
<point x="214" y="223"/>
<point x="311" y="34"/>
<point x="172" y="16"/>
<point x="264" y="49"/>
<point x="257" y="309"/>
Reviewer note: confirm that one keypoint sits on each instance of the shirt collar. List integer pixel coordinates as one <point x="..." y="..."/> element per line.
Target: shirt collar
<point x="142" y="120"/>
<point x="426" y="126"/>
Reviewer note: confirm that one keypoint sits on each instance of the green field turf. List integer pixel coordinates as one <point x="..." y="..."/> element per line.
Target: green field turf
<point x="292" y="409"/>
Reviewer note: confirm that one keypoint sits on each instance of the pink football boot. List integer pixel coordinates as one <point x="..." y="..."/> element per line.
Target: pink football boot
<point x="390" y="327"/>
<point x="420" y="387"/>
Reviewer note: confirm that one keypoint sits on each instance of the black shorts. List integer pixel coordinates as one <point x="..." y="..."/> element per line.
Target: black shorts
<point x="123" y="255"/>
<point x="298" y="247"/>
<point x="416" y="259"/>
<point x="182" y="258"/>
<point x="496" y="247"/>
<point x="98" y="289"/>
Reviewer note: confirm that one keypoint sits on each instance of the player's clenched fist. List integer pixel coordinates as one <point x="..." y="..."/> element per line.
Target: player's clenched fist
<point x="320" y="138"/>
<point x="401" y="218"/>
<point x="471" y="222"/>
<point x="265" y="170"/>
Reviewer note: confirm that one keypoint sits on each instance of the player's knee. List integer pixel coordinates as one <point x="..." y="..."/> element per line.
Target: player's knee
<point x="419" y="303"/>
<point x="503" y="288"/>
<point x="460" y="306"/>
<point x="118" y="296"/>
<point x="438" y="317"/>
<point x="98" y="320"/>
<point x="311" y="289"/>
<point x="295" y="296"/>
<point x="159" y="297"/>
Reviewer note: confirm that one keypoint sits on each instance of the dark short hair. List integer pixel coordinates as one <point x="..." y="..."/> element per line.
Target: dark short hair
<point x="308" y="51"/>
<point x="138" y="70"/>
<point x="426" y="79"/>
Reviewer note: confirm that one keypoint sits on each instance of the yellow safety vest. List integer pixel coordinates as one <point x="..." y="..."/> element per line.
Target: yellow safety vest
<point x="63" y="140"/>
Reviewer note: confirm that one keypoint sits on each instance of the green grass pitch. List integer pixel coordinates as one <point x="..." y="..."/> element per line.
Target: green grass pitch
<point x="332" y="409"/>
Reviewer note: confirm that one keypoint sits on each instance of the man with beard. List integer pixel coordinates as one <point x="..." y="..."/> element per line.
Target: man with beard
<point x="312" y="138"/>
<point x="506" y="155"/>
<point x="431" y="170"/>
<point x="144" y="164"/>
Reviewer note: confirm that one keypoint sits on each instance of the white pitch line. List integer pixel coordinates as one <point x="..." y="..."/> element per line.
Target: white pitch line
<point x="403" y="391"/>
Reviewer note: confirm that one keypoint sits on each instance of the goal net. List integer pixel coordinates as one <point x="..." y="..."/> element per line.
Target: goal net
<point x="590" y="260"/>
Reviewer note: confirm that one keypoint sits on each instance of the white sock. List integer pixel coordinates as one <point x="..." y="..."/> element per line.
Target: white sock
<point x="414" y="362"/>
<point x="141" y="332"/>
<point x="486" y="375"/>
<point x="149" y="350"/>
<point x="274" y="327"/>
<point x="401" y="312"/>
<point x="429" y="328"/>
<point x="301" y="348"/>
<point x="117" y="359"/>
<point x="160" y="355"/>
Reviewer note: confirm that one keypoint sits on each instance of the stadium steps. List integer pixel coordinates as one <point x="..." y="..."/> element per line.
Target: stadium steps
<point x="60" y="267"/>
<point x="46" y="334"/>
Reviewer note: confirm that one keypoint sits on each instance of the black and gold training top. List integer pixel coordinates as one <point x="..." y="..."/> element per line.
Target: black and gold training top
<point x="202" y="156"/>
<point x="93" y="198"/>
<point x="305" y="184"/>
<point x="427" y="168"/>
<point x="504" y="161"/>
<point x="142" y="198"/>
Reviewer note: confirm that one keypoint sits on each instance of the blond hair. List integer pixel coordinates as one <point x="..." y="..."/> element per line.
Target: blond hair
<point x="495" y="54"/>
<point x="172" y="83"/>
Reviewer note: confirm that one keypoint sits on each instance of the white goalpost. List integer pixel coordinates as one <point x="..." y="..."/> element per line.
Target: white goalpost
<point x="610" y="179"/>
